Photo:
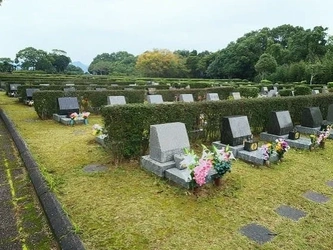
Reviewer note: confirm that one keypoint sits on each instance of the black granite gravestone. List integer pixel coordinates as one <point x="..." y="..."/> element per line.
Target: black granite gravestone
<point x="68" y="105"/>
<point x="29" y="93"/>
<point x="329" y="117"/>
<point x="311" y="117"/>
<point x="13" y="89"/>
<point x="279" y="123"/>
<point x="235" y="130"/>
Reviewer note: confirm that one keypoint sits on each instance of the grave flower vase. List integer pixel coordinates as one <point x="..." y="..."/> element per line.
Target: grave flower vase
<point x="267" y="163"/>
<point x="85" y="121"/>
<point x="218" y="181"/>
<point x="196" y="190"/>
<point x="322" y="144"/>
<point x="71" y="122"/>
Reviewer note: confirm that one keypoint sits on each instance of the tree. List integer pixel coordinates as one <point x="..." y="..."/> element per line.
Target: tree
<point x="161" y="63"/>
<point x="266" y="64"/>
<point x="6" y="65"/>
<point x="118" y="63"/>
<point x="29" y="57"/>
<point x="60" y="62"/>
<point x="314" y="69"/>
<point x="73" y="70"/>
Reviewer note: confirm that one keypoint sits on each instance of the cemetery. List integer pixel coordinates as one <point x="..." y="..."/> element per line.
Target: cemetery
<point x="136" y="178"/>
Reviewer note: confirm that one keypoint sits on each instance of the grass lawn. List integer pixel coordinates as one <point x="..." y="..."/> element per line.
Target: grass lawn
<point x="129" y="208"/>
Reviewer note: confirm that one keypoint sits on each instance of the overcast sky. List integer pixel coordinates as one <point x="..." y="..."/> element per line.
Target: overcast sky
<point x="86" y="28"/>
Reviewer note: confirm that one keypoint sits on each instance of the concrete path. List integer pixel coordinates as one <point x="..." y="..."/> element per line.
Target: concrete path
<point x="22" y="222"/>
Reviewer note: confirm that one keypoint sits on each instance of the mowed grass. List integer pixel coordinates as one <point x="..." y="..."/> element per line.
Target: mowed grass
<point x="129" y="208"/>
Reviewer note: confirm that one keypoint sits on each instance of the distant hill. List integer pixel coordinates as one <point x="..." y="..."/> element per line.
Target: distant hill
<point x="81" y="65"/>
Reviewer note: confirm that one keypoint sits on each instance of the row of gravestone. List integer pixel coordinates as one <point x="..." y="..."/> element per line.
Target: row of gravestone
<point x="168" y="141"/>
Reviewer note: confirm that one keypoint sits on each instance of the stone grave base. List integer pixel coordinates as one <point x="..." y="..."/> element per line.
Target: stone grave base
<point x="301" y="143"/>
<point x="64" y="120"/>
<point x="233" y="149"/>
<point x="255" y="157"/>
<point x="181" y="176"/>
<point x="100" y="139"/>
<point x="156" y="167"/>
<point x="57" y="117"/>
<point x="169" y="171"/>
<point x="310" y="131"/>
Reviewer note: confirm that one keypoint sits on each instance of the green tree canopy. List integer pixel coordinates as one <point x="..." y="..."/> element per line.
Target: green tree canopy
<point x="266" y="64"/>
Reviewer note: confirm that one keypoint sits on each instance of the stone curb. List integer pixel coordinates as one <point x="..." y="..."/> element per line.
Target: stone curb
<point x="59" y="222"/>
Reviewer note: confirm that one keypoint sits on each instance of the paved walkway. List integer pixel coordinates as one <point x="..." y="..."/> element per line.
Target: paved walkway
<point x="21" y="223"/>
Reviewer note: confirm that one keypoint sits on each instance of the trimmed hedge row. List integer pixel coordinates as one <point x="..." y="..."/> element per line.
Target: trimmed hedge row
<point x="46" y="102"/>
<point x="128" y="126"/>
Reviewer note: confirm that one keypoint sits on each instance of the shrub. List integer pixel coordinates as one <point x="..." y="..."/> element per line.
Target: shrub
<point x="249" y="91"/>
<point x="285" y="92"/>
<point x="302" y="90"/>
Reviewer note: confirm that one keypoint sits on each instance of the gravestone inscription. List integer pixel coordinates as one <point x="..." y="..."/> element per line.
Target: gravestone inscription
<point x="156" y="99"/>
<point x="280" y="123"/>
<point x="116" y="100"/>
<point x="68" y="105"/>
<point x="329" y="117"/>
<point x="311" y="117"/>
<point x="166" y="140"/>
<point x="29" y="92"/>
<point x="212" y="97"/>
<point x="235" y="130"/>
<point x="186" y="98"/>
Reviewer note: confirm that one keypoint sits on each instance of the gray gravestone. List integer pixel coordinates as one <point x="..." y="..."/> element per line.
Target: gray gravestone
<point x="272" y="93"/>
<point x="69" y="89"/>
<point x="329" y="117"/>
<point x="186" y="98"/>
<point x="166" y="140"/>
<point x="311" y="117"/>
<point x="68" y="105"/>
<point x="264" y="90"/>
<point x="29" y="92"/>
<point x="212" y="97"/>
<point x="100" y="89"/>
<point x="236" y="95"/>
<point x="69" y="84"/>
<point x="324" y="90"/>
<point x="315" y="91"/>
<point x="235" y="129"/>
<point x="156" y="99"/>
<point x="13" y="87"/>
<point x="116" y="100"/>
<point x="280" y="123"/>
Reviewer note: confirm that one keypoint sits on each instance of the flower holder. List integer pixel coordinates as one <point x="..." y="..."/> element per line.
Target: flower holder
<point x="250" y="146"/>
<point x="293" y="135"/>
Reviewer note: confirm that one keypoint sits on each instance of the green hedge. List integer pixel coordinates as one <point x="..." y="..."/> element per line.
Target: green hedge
<point x="45" y="102"/>
<point x="128" y="126"/>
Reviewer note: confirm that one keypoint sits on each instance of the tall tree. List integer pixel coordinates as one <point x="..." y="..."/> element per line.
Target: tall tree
<point x="161" y="63"/>
<point x="29" y="57"/>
